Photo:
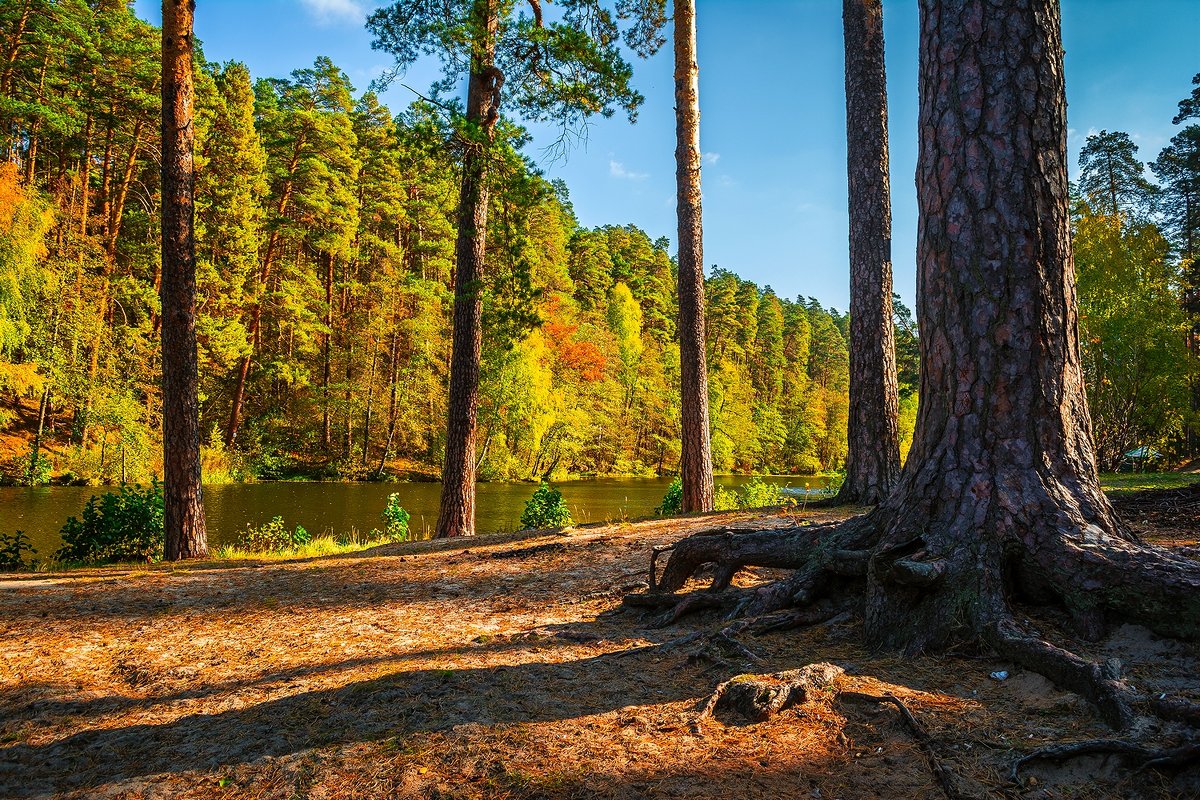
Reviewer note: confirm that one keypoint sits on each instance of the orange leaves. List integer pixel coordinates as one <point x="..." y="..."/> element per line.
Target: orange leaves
<point x="583" y="357"/>
<point x="11" y="195"/>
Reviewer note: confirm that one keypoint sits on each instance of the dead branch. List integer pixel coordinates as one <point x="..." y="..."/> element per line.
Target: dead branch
<point x="945" y="777"/>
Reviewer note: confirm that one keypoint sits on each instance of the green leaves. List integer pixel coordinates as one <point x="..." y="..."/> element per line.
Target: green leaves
<point x="126" y="525"/>
<point x="546" y="509"/>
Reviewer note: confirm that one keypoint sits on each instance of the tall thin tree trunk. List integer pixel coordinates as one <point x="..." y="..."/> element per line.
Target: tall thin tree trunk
<point x="456" y="516"/>
<point x="873" y="461"/>
<point x="368" y="413"/>
<point x="348" y="397"/>
<point x="326" y="366"/>
<point x="183" y="506"/>
<point x="106" y="177"/>
<point x="35" y="452"/>
<point x="696" y="461"/>
<point x="85" y="170"/>
<point x="117" y="210"/>
<point x="10" y="57"/>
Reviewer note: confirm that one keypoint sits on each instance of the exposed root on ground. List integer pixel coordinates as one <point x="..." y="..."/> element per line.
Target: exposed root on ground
<point x="1134" y="754"/>
<point x="944" y="777"/>
<point x="757" y="698"/>
<point x="927" y="592"/>
<point x="760" y="697"/>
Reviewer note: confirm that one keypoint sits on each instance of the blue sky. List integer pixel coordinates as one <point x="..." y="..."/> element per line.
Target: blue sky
<point x="773" y="116"/>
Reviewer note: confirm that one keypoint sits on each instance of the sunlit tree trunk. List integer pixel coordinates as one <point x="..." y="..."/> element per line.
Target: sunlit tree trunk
<point x="183" y="508"/>
<point x="1002" y="456"/>
<point x="456" y="516"/>
<point x="327" y="355"/>
<point x="696" y="459"/>
<point x="873" y="460"/>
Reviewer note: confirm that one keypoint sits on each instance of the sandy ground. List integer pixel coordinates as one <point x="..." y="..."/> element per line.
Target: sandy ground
<point x="502" y="667"/>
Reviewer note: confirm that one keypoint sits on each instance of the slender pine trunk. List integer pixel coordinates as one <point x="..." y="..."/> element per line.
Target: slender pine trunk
<point x="696" y="460"/>
<point x="873" y="460"/>
<point x="183" y="506"/>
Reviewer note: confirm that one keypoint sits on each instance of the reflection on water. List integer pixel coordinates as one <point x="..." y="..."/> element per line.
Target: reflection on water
<point x="341" y="507"/>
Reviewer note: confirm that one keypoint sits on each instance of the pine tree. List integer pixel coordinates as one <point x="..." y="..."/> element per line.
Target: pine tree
<point x="873" y="460"/>
<point x="183" y="505"/>
<point x="561" y="70"/>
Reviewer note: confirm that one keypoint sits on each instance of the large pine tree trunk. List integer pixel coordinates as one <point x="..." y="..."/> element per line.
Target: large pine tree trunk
<point x="183" y="508"/>
<point x="999" y="499"/>
<point x="456" y="516"/>
<point x="1002" y="455"/>
<point x="696" y="459"/>
<point x="873" y="462"/>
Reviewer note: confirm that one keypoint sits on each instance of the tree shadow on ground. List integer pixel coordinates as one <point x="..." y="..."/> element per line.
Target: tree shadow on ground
<point x="294" y="589"/>
<point x="396" y="704"/>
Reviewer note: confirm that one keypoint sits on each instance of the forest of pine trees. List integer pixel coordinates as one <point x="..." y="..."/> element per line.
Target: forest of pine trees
<point x="325" y="244"/>
<point x="325" y="247"/>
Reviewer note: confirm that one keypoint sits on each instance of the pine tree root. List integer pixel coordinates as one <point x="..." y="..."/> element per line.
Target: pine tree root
<point x="760" y="697"/>
<point x="730" y="550"/>
<point x="680" y="605"/>
<point x="823" y="613"/>
<point x="945" y="777"/>
<point x="1099" y="684"/>
<point x="923" y="590"/>
<point x="1146" y="758"/>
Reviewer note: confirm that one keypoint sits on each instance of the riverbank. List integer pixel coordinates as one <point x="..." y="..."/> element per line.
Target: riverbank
<point x="500" y="667"/>
<point x="348" y="511"/>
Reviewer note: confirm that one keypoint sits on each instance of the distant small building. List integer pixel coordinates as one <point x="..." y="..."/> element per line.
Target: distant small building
<point x="1138" y="458"/>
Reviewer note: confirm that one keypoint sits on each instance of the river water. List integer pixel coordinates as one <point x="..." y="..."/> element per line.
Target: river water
<point x="340" y="507"/>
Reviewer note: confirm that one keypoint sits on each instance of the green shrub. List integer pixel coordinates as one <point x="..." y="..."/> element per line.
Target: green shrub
<point x="38" y="471"/>
<point x="273" y="537"/>
<point x="758" y="494"/>
<point x="546" y="509"/>
<point x="725" y="500"/>
<point x="396" y="518"/>
<point x="672" y="502"/>
<point x="126" y="525"/>
<point x="12" y="552"/>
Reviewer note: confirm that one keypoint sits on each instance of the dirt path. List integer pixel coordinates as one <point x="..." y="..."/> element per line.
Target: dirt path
<point x="502" y="667"/>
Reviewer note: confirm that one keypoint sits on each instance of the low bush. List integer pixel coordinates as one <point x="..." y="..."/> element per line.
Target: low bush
<point x="273" y="537"/>
<point x="672" y="502"/>
<point x="759" y="494"/>
<point x="12" y="552"/>
<point x="725" y="500"/>
<point x="546" y="509"/>
<point x="126" y="525"/>
<point x="396" y="518"/>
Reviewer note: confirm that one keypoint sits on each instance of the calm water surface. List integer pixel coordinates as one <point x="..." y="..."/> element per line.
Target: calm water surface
<point x="340" y="507"/>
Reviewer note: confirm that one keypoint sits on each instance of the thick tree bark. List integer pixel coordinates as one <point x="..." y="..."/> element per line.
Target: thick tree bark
<point x="1002" y="457"/>
<point x="183" y="508"/>
<point x="456" y="516"/>
<point x="873" y="462"/>
<point x="696" y="459"/>
<point x="999" y="499"/>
